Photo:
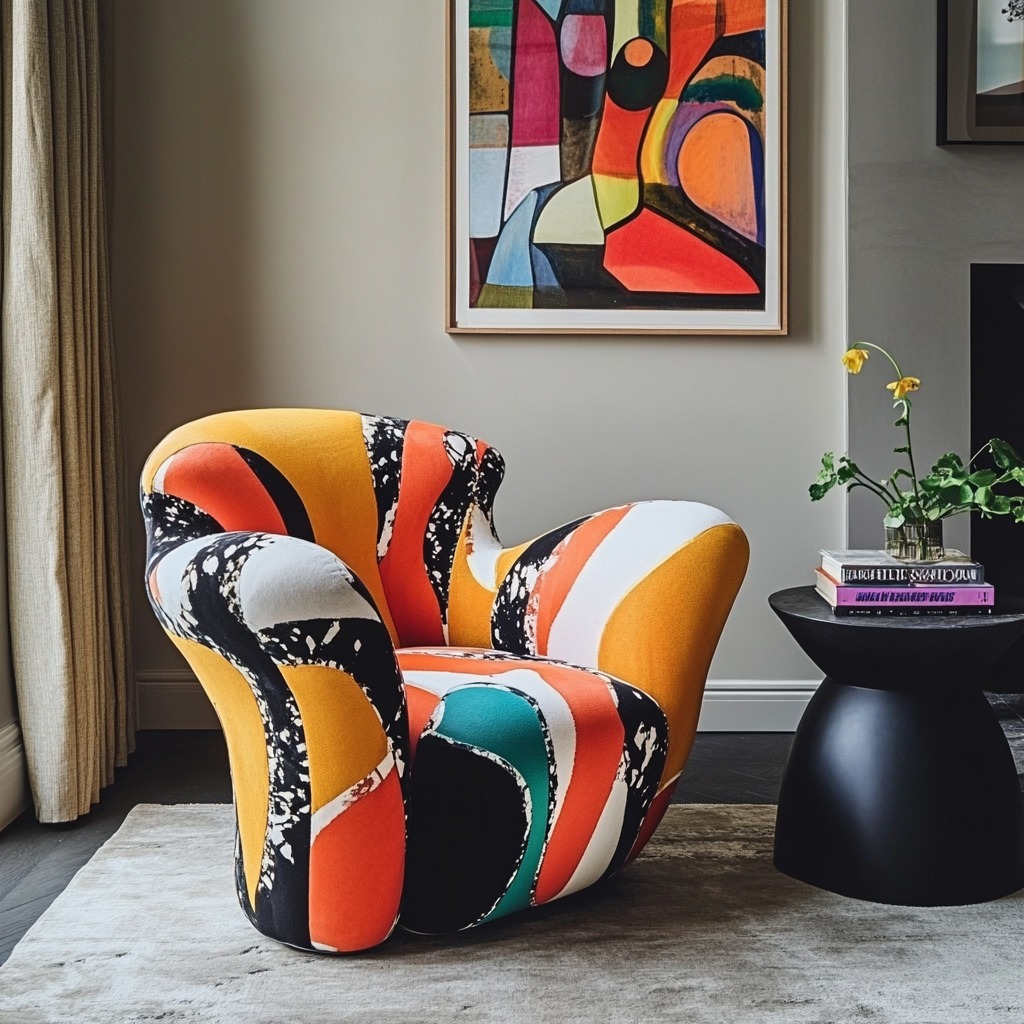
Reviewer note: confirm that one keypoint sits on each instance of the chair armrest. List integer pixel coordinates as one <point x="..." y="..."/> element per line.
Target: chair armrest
<point x="291" y="650"/>
<point x="641" y="592"/>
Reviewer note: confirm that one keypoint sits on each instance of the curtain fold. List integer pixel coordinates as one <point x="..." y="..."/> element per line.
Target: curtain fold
<point x="64" y="476"/>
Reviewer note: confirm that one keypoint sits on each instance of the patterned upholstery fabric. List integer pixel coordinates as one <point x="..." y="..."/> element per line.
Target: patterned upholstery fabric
<point x="425" y="726"/>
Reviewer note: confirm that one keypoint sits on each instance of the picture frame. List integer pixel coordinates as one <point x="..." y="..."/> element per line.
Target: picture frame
<point x="570" y="135"/>
<point x="980" y="72"/>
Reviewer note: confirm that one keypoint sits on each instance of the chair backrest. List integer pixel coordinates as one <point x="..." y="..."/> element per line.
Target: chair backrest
<point x="390" y="497"/>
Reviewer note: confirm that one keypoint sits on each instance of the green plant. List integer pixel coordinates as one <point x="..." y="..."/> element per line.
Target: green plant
<point x="950" y="488"/>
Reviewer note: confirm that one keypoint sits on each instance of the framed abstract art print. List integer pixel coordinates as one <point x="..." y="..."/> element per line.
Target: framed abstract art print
<point x="617" y="166"/>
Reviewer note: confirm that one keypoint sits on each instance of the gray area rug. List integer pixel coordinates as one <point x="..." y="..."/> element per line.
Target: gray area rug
<point x="700" y="929"/>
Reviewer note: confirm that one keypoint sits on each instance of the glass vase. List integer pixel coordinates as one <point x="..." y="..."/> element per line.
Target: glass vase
<point x="915" y="541"/>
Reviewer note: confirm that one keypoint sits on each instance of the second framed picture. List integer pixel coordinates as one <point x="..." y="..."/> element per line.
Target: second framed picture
<point x="617" y="166"/>
<point x="981" y="72"/>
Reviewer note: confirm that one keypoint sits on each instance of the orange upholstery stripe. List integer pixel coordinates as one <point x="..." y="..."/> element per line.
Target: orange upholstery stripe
<point x="599" y="740"/>
<point x="425" y="471"/>
<point x="555" y="584"/>
<point x="217" y="479"/>
<point x="436" y="661"/>
<point x="356" y="868"/>
<point x="420" y="706"/>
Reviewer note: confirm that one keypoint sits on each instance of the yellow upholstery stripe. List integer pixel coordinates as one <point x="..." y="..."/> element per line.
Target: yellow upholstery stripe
<point x="239" y="715"/>
<point x="507" y="559"/>
<point x="469" y="603"/>
<point x="662" y="635"/>
<point x="323" y="455"/>
<point x="345" y="740"/>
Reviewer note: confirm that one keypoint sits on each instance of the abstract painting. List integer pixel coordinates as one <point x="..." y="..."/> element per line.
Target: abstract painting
<point x="981" y="71"/>
<point x="617" y="166"/>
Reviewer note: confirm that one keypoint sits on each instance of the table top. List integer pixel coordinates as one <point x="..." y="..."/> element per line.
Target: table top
<point x="899" y="651"/>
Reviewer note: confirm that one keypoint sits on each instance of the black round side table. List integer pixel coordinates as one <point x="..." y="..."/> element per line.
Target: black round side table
<point x="900" y="785"/>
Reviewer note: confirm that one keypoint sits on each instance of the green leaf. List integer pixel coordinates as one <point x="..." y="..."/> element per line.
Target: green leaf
<point x="950" y="462"/>
<point x="967" y="495"/>
<point x="1004" y="455"/>
<point x="983" y="497"/>
<point x="1018" y="514"/>
<point x="894" y="519"/>
<point x="983" y="478"/>
<point x="1000" y="504"/>
<point x="827" y="478"/>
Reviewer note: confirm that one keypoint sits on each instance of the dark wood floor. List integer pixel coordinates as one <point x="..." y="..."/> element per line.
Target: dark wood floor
<point x="37" y="861"/>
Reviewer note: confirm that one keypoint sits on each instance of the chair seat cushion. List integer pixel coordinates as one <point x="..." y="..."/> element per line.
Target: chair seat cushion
<point x="530" y="779"/>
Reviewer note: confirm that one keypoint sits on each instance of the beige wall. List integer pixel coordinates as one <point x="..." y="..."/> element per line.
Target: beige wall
<point x="920" y="214"/>
<point x="278" y="240"/>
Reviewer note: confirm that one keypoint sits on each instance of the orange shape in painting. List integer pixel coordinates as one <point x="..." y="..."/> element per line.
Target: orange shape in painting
<point x="638" y="52"/>
<point x="716" y="173"/>
<point x="618" y="140"/>
<point x="743" y="16"/>
<point x="693" y="28"/>
<point x="695" y="25"/>
<point x="652" y="254"/>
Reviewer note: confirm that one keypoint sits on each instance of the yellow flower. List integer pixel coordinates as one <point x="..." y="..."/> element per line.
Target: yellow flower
<point x="854" y="359"/>
<point x="899" y="388"/>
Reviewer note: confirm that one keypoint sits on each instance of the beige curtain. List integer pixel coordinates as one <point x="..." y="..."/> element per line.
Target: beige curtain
<point x="63" y="472"/>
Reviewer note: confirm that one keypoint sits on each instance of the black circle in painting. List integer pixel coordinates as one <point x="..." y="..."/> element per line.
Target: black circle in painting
<point x="637" y="77"/>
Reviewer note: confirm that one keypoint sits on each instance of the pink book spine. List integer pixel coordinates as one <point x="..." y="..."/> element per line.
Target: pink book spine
<point x="915" y="597"/>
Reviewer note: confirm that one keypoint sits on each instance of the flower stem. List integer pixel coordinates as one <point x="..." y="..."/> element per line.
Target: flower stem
<point x="906" y="413"/>
<point x="878" y="348"/>
<point x="910" y="449"/>
<point x="970" y="461"/>
<point x="866" y="481"/>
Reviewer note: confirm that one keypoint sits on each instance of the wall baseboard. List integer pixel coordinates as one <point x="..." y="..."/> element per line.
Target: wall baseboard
<point x="754" y="705"/>
<point x="175" y="700"/>
<point x="14" y="791"/>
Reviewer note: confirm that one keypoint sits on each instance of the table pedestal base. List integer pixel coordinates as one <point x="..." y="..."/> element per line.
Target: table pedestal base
<point x="907" y="797"/>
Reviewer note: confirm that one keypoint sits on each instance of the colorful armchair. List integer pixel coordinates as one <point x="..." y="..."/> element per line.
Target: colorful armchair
<point x="424" y="727"/>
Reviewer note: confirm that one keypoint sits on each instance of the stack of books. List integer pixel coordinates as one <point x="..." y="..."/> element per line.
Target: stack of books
<point x="874" y="583"/>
